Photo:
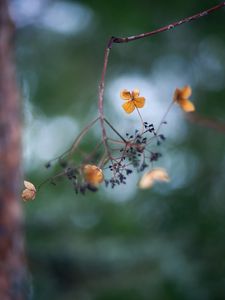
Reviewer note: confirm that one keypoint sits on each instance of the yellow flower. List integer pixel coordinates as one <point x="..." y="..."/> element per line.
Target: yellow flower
<point x="93" y="175"/>
<point x="149" y="178"/>
<point x="132" y="100"/>
<point x="29" y="192"/>
<point x="181" y="96"/>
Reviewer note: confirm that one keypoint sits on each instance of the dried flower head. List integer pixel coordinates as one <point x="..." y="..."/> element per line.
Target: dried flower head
<point x="93" y="175"/>
<point x="181" y="96"/>
<point x="29" y="192"/>
<point x="149" y="178"/>
<point x="132" y="100"/>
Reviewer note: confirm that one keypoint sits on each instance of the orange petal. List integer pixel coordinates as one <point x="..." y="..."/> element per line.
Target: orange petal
<point x="187" y="105"/>
<point x="139" y="102"/>
<point x="186" y="92"/>
<point x="149" y="178"/>
<point x="177" y="95"/>
<point x="128" y="107"/>
<point x="125" y="95"/>
<point x="135" y="93"/>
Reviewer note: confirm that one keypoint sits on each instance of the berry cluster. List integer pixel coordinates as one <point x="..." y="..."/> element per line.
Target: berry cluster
<point x="135" y="154"/>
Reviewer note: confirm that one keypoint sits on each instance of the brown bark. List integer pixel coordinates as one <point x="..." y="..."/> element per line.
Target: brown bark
<point x="12" y="262"/>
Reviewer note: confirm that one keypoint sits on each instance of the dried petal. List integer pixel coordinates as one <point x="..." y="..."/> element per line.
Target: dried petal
<point x="129" y="107"/>
<point x="187" y="105"/>
<point x="149" y="178"/>
<point x="29" y="185"/>
<point x="139" y="102"/>
<point x="133" y="100"/>
<point x="135" y="93"/>
<point x="181" y="97"/>
<point x="186" y="92"/>
<point x="29" y="192"/>
<point x="28" y="195"/>
<point x="125" y="95"/>
<point x="177" y="95"/>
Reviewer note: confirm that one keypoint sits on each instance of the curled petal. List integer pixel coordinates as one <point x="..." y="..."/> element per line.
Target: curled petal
<point x="139" y="102"/>
<point x="187" y="105"/>
<point x="186" y="92"/>
<point x="28" y="185"/>
<point x="129" y="106"/>
<point x="181" y="97"/>
<point x="28" y="195"/>
<point x="125" y="95"/>
<point x="149" y="178"/>
<point x="93" y="175"/>
<point x="29" y="192"/>
<point x="177" y="95"/>
<point x="135" y="93"/>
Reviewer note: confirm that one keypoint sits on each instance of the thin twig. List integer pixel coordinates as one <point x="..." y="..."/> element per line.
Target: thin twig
<point x="80" y="136"/>
<point x="110" y="125"/>
<point x="76" y="142"/>
<point x="206" y="122"/>
<point x="93" y="152"/>
<point x="142" y="122"/>
<point x="115" y="141"/>
<point x="170" y="26"/>
<point x="114" y="40"/>
<point x="164" y="116"/>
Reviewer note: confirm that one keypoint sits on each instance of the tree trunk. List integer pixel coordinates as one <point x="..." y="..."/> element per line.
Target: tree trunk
<point x="12" y="259"/>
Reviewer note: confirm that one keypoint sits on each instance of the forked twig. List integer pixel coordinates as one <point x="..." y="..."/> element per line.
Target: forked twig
<point x="115" y="40"/>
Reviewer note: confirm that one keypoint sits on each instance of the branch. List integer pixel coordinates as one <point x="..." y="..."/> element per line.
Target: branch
<point x="114" y="40"/>
<point x="170" y="26"/>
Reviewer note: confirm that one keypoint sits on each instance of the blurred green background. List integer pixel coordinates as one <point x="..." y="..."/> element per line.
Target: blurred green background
<point x="163" y="243"/>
